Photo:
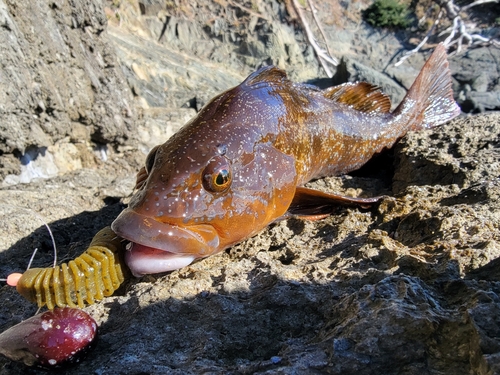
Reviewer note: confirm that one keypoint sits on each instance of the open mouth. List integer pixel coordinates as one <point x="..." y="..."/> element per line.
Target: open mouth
<point x="143" y="260"/>
<point x="160" y="247"/>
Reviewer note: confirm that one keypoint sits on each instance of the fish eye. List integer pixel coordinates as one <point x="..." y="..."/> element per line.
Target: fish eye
<point x="150" y="159"/>
<point x="217" y="176"/>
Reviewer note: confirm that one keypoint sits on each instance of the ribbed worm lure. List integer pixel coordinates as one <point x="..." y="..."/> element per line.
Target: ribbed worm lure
<point x="95" y="274"/>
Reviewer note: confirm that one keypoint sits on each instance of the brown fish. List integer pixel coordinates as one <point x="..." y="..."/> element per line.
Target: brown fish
<point x="240" y="164"/>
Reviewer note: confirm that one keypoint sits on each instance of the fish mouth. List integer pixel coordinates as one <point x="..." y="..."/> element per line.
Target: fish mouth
<point x="160" y="247"/>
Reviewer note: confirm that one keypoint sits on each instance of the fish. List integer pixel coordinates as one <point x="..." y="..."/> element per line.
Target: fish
<point x="241" y="163"/>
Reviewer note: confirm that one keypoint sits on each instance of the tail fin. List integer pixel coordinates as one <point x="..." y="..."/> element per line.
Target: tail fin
<point x="429" y="102"/>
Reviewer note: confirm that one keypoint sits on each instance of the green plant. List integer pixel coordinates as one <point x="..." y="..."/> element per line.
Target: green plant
<point x="387" y="13"/>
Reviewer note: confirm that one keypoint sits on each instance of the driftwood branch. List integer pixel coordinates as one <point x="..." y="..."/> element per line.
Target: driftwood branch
<point x="324" y="57"/>
<point x="460" y="33"/>
<point x="314" y="12"/>
<point x="421" y="44"/>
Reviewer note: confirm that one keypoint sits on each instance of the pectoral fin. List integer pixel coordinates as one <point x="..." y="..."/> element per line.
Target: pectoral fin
<point x="314" y="204"/>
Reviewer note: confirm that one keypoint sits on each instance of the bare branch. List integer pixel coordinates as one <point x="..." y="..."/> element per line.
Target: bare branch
<point x="314" y="12"/>
<point x="323" y="56"/>
<point x="421" y="44"/>
<point x="477" y="2"/>
<point x="460" y="34"/>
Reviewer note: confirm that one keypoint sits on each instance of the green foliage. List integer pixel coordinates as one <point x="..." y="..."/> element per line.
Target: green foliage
<point x="387" y="13"/>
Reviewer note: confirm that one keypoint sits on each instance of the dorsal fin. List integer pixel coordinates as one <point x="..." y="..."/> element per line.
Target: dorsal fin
<point x="267" y="74"/>
<point x="361" y="96"/>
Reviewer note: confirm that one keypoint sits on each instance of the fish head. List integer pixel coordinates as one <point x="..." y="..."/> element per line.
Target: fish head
<point x="216" y="182"/>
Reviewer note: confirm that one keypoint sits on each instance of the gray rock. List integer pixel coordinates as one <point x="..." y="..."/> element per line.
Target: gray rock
<point x="58" y="73"/>
<point x="168" y="78"/>
<point x="476" y="73"/>
<point x="482" y="101"/>
<point x="449" y="157"/>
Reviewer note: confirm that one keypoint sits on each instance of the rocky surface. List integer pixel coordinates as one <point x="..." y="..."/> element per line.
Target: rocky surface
<point x="61" y="87"/>
<point x="409" y="287"/>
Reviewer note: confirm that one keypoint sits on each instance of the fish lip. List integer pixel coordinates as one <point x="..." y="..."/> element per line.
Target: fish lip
<point x="198" y="240"/>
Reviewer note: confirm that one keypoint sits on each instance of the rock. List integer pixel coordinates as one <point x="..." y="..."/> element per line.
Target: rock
<point x="36" y="162"/>
<point x="167" y="78"/>
<point x="59" y="72"/>
<point x="476" y="72"/>
<point x="450" y="156"/>
<point x="481" y="101"/>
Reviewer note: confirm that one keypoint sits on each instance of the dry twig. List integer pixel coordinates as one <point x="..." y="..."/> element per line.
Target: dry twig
<point x="324" y="57"/>
<point x="460" y="33"/>
<point x="421" y="44"/>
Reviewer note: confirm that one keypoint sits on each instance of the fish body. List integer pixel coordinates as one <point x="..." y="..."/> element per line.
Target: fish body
<point x="240" y="164"/>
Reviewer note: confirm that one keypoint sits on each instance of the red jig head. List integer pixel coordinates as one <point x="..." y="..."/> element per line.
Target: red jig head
<point x="51" y="339"/>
